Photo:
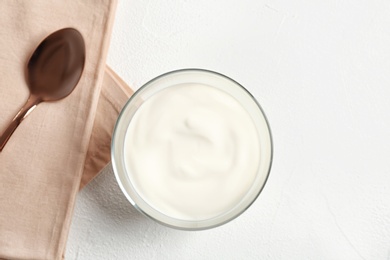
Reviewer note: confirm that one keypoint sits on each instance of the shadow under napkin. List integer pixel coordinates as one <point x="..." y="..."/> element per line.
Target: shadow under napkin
<point x="104" y="219"/>
<point x="104" y="195"/>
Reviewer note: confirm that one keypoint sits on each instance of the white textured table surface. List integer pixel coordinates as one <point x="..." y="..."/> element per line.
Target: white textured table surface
<point x="321" y="71"/>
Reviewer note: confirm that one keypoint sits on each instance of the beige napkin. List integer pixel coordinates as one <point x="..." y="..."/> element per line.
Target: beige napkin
<point x="41" y="166"/>
<point x="114" y="94"/>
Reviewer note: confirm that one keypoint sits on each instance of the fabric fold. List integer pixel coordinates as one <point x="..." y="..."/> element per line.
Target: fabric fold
<point x="114" y="94"/>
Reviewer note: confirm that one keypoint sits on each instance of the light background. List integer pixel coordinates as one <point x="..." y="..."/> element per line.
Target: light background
<point x="321" y="71"/>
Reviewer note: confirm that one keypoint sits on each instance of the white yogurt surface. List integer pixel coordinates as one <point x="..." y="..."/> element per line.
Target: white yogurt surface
<point x="192" y="151"/>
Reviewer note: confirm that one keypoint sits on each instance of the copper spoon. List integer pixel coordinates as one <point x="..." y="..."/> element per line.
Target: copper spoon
<point x="53" y="72"/>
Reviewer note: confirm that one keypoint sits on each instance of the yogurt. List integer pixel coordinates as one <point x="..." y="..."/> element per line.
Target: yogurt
<point x="191" y="151"/>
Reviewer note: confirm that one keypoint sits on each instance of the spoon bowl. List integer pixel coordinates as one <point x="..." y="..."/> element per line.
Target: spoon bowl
<point x="52" y="73"/>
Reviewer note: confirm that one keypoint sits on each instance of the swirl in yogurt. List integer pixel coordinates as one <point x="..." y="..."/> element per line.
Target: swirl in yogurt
<point x="192" y="151"/>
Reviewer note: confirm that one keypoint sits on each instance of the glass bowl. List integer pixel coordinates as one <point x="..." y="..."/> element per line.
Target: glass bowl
<point x="198" y="76"/>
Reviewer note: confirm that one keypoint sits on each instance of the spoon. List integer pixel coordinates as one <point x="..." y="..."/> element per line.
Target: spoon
<point x="52" y="73"/>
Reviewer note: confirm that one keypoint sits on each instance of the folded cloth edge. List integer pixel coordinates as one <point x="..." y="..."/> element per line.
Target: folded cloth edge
<point x="114" y="94"/>
<point x="100" y="74"/>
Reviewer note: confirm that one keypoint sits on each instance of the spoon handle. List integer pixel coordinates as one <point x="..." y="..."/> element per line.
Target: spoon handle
<point x="31" y="103"/>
